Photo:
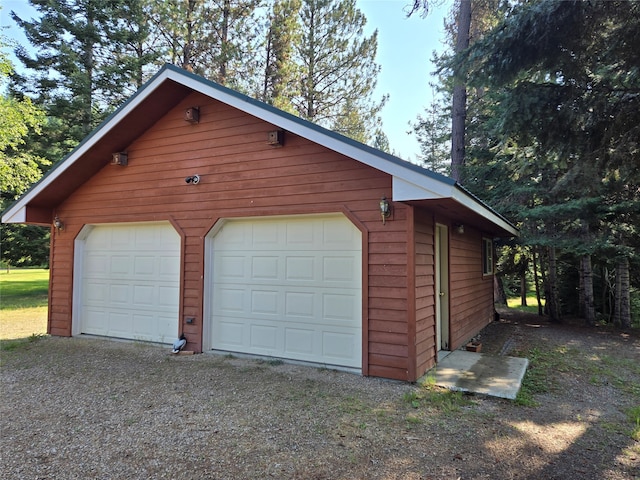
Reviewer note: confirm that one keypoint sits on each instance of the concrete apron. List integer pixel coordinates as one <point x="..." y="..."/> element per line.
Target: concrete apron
<point x="496" y="376"/>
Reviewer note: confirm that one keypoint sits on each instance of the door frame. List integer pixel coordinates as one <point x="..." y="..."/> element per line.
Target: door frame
<point x="442" y="290"/>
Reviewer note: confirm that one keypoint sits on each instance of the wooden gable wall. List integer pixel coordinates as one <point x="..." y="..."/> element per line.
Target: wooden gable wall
<point x="242" y="176"/>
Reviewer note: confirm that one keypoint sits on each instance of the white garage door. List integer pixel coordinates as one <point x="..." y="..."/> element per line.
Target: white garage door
<point x="130" y="282"/>
<point x="289" y="287"/>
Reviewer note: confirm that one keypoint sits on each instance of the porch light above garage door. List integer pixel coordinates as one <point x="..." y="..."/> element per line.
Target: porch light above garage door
<point x="58" y="224"/>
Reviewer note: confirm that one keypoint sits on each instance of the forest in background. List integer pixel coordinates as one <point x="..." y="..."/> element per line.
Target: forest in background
<point x="537" y="113"/>
<point x="540" y="102"/>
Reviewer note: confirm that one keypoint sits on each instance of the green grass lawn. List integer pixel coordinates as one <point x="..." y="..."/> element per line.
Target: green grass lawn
<point x="532" y="303"/>
<point x="23" y="303"/>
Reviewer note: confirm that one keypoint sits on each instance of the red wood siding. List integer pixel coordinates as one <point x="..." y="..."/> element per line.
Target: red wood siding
<point x="388" y="297"/>
<point x="425" y="293"/>
<point x="242" y="176"/>
<point x="471" y="293"/>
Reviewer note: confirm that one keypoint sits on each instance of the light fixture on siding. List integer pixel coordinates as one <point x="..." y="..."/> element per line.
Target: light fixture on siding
<point x="385" y="209"/>
<point x="192" y="115"/>
<point x="459" y="228"/>
<point x="119" y="158"/>
<point x="58" y="224"/>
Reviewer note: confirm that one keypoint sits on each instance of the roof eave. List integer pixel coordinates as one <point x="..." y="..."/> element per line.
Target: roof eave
<point x="410" y="182"/>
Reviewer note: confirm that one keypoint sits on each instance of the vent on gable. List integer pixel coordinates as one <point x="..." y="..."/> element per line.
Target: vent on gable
<point x="275" y="138"/>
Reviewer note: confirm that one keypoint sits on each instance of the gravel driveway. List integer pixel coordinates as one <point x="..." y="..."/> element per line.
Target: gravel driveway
<point x="88" y="408"/>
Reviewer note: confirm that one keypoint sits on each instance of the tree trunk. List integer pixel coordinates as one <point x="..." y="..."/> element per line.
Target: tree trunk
<point x="187" y="53"/>
<point x="268" y="69"/>
<point x="551" y="289"/>
<point x="459" y="105"/>
<point x="523" y="289"/>
<point x="499" y="295"/>
<point x="536" y="280"/>
<point x="622" y="315"/>
<point x="581" y="302"/>
<point x="587" y="287"/>
<point x="224" y="43"/>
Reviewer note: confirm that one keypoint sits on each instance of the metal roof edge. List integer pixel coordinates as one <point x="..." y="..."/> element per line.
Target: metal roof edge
<point x="507" y="225"/>
<point x="54" y="171"/>
<point x="366" y="154"/>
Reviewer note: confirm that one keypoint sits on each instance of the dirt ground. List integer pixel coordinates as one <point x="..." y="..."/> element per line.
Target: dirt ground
<point x="88" y="408"/>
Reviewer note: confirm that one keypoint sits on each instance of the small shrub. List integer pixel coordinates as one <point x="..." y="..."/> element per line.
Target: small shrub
<point x="441" y="399"/>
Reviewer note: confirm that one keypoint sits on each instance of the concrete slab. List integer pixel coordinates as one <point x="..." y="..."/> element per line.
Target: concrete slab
<point x="497" y="376"/>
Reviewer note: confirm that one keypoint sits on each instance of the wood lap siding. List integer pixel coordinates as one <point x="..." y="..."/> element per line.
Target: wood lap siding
<point x="425" y="291"/>
<point x="471" y="293"/>
<point x="60" y="291"/>
<point x="242" y="176"/>
<point x="388" y="300"/>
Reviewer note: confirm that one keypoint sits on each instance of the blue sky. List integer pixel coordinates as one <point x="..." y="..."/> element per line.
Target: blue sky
<point x="405" y="47"/>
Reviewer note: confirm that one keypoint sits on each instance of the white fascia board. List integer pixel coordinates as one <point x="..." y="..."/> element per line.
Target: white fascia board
<point x="404" y="190"/>
<point x="407" y="183"/>
<point x="15" y="215"/>
<point x="294" y="125"/>
<point x="475" y="205"/>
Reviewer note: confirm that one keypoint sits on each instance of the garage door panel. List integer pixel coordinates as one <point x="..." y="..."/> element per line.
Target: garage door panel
<point x="339" y="308"/>
<point x="336" y="237"/>
<point x="96" y="321"/>
<point x="264" y="267"/>
<point x="130" y="282"/>
<point x="144" y="295"/>
<point x="144" y="266"/>
<point x="263" y="337"/>
<point x="119" y="295"/>
<point x="230" y="334"/>
<point x="340" y="269"/>
<point x="300" y="269"/>
<point x="299" y="305"/>
<point x="299" y="341"/>
<point x="264" y="302"/>
<point x="228" y="267"/>
<point x="119" y="324"/>
<point x="340" y="346"/>
<point x="95" y="293"/>
<point x="277" y="289"/>
<point x="167" y="295"/>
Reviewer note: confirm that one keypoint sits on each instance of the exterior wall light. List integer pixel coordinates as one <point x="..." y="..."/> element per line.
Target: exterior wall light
<point x="385" y="209"/>
<point x="460" y="228"/>
<point x="58" y="224"/>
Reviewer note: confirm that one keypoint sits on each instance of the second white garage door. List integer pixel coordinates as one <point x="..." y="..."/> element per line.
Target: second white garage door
<point x="288" y="287"/>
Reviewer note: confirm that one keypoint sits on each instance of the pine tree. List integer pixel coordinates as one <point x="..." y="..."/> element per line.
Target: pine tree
<point x="281" y="71"/>
<point x="563" y="92"/>
<point x="459" y="96"/>
<point x="73" y="72"/>
<point x="433" y="132"/>
<point x="213" y="38"/>
<point x="338" y="68"/>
